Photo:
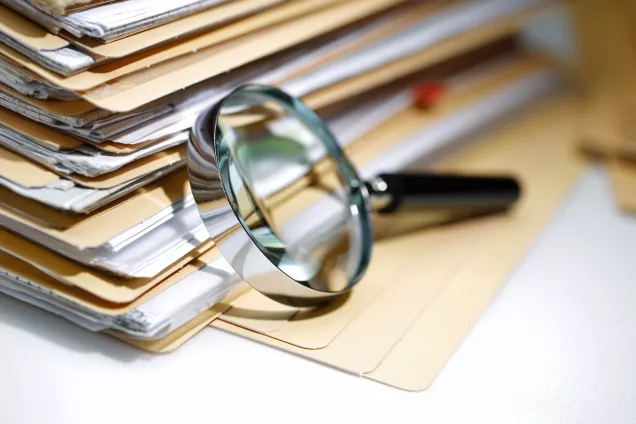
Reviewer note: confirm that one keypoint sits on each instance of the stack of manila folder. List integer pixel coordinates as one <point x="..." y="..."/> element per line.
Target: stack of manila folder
<point x="97" y="222"/>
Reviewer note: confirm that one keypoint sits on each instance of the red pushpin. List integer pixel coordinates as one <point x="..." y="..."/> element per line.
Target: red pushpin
<point x="427" y="94"/>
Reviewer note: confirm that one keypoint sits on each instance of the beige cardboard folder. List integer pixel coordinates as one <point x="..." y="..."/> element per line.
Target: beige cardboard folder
<point x="278" y="36"/>
<point x="11" y="168"/>
<point x="416" y="312"/>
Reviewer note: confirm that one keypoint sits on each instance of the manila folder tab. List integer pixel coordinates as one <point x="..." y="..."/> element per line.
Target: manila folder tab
<point x="415" y="323"/>
<point x="24" y="173"/>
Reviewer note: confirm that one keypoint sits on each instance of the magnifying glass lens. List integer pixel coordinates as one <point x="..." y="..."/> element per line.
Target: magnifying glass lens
<point x="287" y="209"/>
<point x="292" y="189"/>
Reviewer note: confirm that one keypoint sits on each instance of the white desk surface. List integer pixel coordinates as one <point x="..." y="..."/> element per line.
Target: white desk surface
<point x="558" y="345"/>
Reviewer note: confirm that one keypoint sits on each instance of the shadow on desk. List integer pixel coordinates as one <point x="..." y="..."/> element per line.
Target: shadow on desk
<point x="45" y="325"/>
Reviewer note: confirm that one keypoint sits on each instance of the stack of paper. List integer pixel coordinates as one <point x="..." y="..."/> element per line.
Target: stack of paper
<point x="96" y="220"/>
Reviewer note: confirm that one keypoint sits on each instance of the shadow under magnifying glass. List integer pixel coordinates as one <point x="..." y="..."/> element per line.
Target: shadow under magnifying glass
<point x="284" y="314"/>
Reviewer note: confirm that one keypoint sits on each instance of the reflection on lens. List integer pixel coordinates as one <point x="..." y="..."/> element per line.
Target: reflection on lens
<point x="287" y="187"/>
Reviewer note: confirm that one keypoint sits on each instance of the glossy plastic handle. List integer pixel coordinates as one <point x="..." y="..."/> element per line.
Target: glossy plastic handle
<point x="421" y="191"/>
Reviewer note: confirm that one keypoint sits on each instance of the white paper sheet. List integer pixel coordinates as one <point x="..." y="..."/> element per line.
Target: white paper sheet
<point x="143" y="256"/>
<point x="419" y="36"/>
<point x="66" y="60"/>
<point x="67" y="196"/>
<point x="30" y="84"/>
<point x="156" y="318"/>
<point x="88" y="161"/>
<point x="111" y="21"/>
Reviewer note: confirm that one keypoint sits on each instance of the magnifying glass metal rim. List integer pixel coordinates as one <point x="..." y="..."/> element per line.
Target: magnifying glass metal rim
<point x="208" y="171"/>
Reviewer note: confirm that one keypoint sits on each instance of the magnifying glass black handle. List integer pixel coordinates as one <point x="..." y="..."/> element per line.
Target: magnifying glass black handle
<point x="462" y="193"/>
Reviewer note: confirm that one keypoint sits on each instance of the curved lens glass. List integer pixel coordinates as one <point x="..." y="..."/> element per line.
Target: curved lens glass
<point x="292" y="189"/>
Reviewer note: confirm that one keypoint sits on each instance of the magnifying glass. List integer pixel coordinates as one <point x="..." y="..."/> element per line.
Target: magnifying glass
<point x="286" y="207"/>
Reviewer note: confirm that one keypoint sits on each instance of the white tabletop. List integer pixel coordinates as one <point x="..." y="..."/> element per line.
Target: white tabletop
<point x="557" y="346"/>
